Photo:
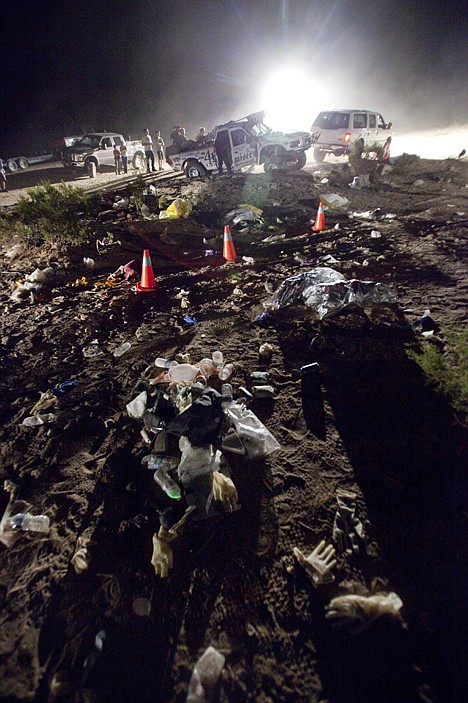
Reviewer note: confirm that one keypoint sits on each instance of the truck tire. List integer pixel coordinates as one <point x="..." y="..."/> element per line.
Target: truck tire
<point x="319" y="156"/>
<point x="12" y="165"/>
<point x="23" y="163"/>
<point x="194" y="169"/>
<point x="300" y="162"/>
<point x="270" y="165"/>
<point x="91" y="168"/>
<point x="138" y="161"/>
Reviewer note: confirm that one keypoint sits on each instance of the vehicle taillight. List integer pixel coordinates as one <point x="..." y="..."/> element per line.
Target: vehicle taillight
<point x="347" y="137"/>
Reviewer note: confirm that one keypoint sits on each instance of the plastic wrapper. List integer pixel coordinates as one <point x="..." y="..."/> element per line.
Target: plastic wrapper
<point x="256" y="438"/>
<point x="179" y="208"/>
<point x="326" y="292"/>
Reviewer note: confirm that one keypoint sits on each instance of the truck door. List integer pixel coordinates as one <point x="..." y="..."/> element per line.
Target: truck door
<point x="243" y="153"/>
<point x="375" y="134"/>
<point x="106" y="155"/>
<point x="360" y="126"/>
<point x="382" y="130"/>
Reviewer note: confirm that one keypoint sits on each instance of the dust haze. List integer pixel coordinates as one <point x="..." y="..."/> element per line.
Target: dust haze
<point x="199" y="64"/>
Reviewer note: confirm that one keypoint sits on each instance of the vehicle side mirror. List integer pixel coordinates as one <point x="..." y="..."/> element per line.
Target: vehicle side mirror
<point x="389" y="125"/>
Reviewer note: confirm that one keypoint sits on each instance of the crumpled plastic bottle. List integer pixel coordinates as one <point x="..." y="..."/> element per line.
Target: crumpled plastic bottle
<point x="28" y="522"/>
<point x="120" y="350"/>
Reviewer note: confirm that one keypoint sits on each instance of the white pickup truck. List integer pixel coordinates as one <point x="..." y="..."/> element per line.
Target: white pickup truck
<point x="96" y="149"/>
<point x="251" y="142"/>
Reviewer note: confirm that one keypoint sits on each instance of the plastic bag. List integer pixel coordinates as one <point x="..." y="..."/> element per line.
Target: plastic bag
<point x="326" y="292"/>
<point x="333" y="200"/>
<point x="244" y="213"/>
<point x="137" y="407"/>
<point x="196" y="461"/>
<point x="180" y="207"/>
<point x="256" y="438"/>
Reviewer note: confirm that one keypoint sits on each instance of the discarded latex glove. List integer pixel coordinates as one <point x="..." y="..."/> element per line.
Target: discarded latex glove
<point x="162" y="553"/>
<point x="80" y="558"/>
<point x="46" y="401"/>
<point x="225" y="491"/>
<point x="358" y="612"/>
<point x="348" y="531"/>
<point x="162" y="558"/>
<point x="319" y="563"/>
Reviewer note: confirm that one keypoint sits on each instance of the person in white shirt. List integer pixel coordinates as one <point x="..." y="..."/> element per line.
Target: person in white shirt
<point x="159" y="141"/>
<point x="147" y="142"/>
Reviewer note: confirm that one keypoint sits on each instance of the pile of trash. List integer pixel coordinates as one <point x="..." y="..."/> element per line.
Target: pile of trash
<point x="184" y="420"/>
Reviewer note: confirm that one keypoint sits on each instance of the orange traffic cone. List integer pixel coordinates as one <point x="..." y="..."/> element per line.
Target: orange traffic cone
<point x="319" y="225"/>
<point x="229" y="253"/>
<point x="147" y="283"/>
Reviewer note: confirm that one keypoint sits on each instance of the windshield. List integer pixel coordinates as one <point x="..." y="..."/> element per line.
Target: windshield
<point x="260" y="129"/>
<point x="91" y="140"/>
<point x="332" y="120"/>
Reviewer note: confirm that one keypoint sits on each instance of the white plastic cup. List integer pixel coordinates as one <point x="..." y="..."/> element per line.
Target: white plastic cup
<point x="164" y="363"/>
<point x="218" y="359"/>
<point x="207" y="367"/>
<point x="226" y="372"/>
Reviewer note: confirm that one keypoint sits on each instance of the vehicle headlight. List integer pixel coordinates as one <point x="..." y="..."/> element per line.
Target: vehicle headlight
<point x="79" y="157"/>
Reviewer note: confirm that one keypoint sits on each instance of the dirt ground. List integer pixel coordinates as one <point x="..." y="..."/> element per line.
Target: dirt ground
<point x="373" y="426"/>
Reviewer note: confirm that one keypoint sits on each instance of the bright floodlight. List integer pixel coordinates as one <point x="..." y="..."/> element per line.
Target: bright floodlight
<point x="290" y="99"/>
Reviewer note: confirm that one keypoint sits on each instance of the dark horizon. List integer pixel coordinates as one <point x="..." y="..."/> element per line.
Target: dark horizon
<point x="106" y="65"/>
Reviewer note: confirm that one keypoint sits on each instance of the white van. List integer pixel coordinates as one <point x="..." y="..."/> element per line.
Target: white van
<point x="340" y="129"/>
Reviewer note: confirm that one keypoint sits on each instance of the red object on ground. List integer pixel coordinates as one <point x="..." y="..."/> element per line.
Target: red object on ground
<point x="147" y="283"/>
<point x="229" y="253"/>
<point x="319" y="225"/>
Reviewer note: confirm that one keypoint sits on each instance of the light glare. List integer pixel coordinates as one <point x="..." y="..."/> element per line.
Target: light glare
<point x="291" y="99"/>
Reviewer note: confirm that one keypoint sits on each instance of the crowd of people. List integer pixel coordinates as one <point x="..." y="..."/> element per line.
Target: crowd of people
<point x="155" y="149"/>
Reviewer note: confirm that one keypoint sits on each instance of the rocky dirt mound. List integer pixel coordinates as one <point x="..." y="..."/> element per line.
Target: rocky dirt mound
<point x="372" y="427"/>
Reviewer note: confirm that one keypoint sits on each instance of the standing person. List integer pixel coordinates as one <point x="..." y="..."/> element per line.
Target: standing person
<point x="149" y="153"/>
<point x="223" y="151"/>
<point x="3" y="181"/>
<point x="117" y="159"/>
<point x="159" y="141"/>
<point x="124" y="155"/>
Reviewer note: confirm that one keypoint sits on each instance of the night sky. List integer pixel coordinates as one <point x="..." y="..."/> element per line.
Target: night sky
<point x="69" y="65"/>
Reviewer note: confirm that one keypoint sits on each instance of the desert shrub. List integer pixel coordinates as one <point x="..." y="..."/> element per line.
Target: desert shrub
<point x="11" y="227"/>
<point x="365" y="159"/>
<point x="58" y="213"/>
<point x="448" y="370"/>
